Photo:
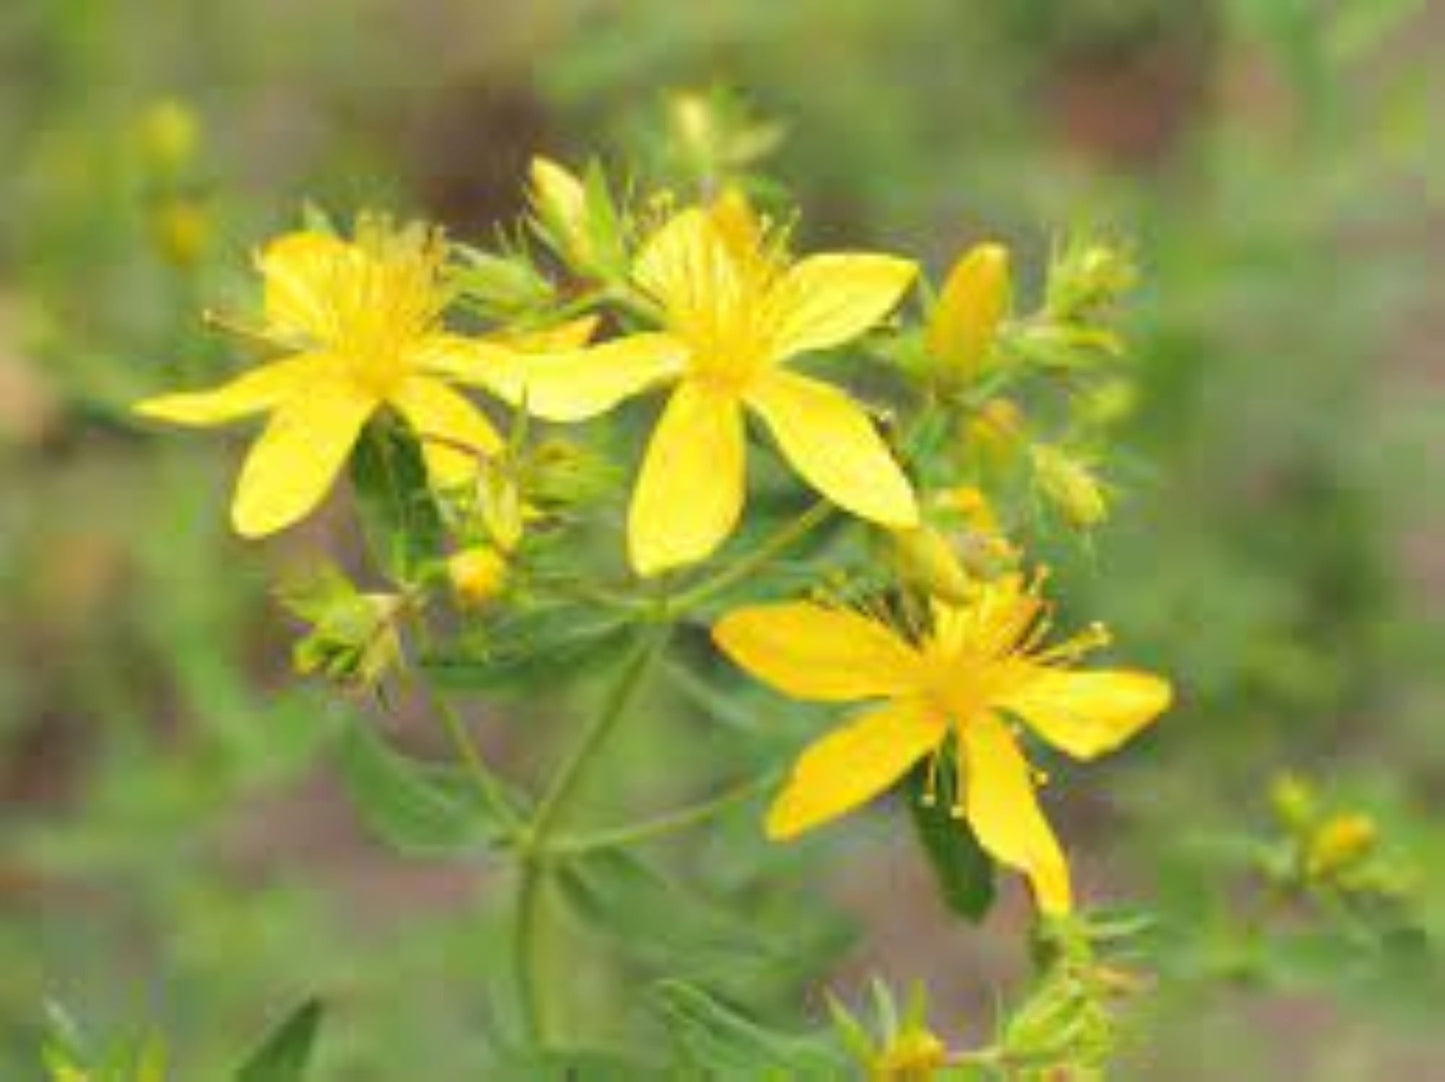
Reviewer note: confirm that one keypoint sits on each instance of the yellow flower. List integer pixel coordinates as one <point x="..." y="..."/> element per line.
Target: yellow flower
<point x="360" y="322"/>
<point x="976" y="666"/>
<point x="733" y="311"/>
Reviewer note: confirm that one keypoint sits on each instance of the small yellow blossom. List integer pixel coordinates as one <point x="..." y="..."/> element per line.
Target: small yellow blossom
<point x="733" y="311"/>
<point x="478" y="574"/>
<point x="971" y="308"/>
<point x="976" y="665"/>
<point x="360" y="322"/>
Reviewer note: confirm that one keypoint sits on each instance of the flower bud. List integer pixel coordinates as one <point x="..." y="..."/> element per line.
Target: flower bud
<point x="501" y="508"/>
<point x="478" y="575"/>
<point x="911" y="1056"/>
<point x="559" y="199"/>
<point x="1294" y="801"/>
<point x="996" y="430"/>
<point x="180" y="229"/>
<point x="170" y="136"/>
<point x="1343" y="841"/>
<point x="1070" y="486"/>
<point x="926" y="559"/>
<point x="973" y="304"/>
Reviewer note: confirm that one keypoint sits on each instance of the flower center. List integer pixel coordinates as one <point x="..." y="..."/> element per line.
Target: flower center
<point x="383" y="299"/>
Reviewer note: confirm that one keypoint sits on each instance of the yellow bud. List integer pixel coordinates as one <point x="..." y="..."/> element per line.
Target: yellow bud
<point x="926" y="559"/>
<point x="974" y="302"/>
<point x="1342" y="841"/>
<point x="1109" y="403"/>
<point x="693" y="122"/>
<point x="912" y="1056"/>
<point x="1293" y="800"/>
<point x="501" y="508"/>
<point x="559" y="199"/>
<point x="170" y="135"/>
<point x="477" y="574"/>
<point x="180" y="229"/>
<point x="1070" y="486"/>
<point x="996" y="430"/>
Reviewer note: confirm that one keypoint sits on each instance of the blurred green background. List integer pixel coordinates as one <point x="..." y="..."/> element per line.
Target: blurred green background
<point x="175" y="847"/>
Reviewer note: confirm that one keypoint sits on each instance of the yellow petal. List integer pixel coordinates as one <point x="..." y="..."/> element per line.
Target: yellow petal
<point x="293" y="463"/>
<point x="300" y="272"/>
<point x="573" y="334"/>
<point x="435" y="410"/>
<point x="472" y="361"/>
<point x="812" y="652"/>
<point x="252" y="392"/>
<point x="826" y="300"/>
<point x="1003" y="810"/>
<point x="830" y="441"/>
<point x="690" y="491"/>
<point x="973" y="303"/>
<point x="687" y="266"/>
<point x="740" y="232"/>
<point x="1087" y="713"/>
<point x="578" y="384"/>
<point x="853" y="764"/>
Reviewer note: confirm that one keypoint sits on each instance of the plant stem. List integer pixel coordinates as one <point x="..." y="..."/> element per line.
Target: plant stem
<point x="789" y="534"/>
<point x="532" y="842"/>
<point x="662" y="825"/>
<point x="476" y="768"/>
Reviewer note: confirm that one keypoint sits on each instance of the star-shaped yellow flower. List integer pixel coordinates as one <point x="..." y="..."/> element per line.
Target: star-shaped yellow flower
<point x="977" y="666"/>
<point x="733" y="309"/>
<point x="361" y="323"/>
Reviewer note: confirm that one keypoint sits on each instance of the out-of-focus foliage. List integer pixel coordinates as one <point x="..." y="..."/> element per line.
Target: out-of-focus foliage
<point x="173" y="849"/>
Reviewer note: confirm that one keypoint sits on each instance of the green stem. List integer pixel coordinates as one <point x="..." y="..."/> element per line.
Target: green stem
<point x="532" y="843"/>
<point x="481" y="776"/>
<point x="788" y="535"/>
<point x="662" y="825"/>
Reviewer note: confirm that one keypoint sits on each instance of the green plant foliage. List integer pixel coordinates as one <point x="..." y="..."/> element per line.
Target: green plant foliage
<point x="285" y="1053"/>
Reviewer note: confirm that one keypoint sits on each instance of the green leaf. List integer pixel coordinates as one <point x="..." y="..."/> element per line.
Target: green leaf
<point x="723" y="1041"/>
<point x="963" y="870"/>
<point x="285" y="1053"/>
<point x="398" y="515"/>
<point x="654" y="918"/>
<point x="530" y="649"/>
<point x="414" y="807"/>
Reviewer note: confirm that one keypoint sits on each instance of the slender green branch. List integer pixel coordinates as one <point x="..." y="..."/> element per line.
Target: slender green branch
<point x="532" y="841"/>
<point x="526" y="946"/>
<point x="477" y="770"/>
<point x="564" y="782"/>
<point x="788" y="535"/>
<point x="662" y="825"/>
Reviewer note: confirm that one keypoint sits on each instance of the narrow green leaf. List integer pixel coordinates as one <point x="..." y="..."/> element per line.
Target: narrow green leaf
<point x="963" y="870"/>
<point x="721" y="1040"/>
<point x="531" y="649"/>
<point x="654" y="918"/>
<point x="414" y="807"/>
<point x="398" y="515"/>
<point x="286" y="1051"/>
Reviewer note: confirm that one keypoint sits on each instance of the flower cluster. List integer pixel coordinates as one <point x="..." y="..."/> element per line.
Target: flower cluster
<point x="707" y="306"/>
